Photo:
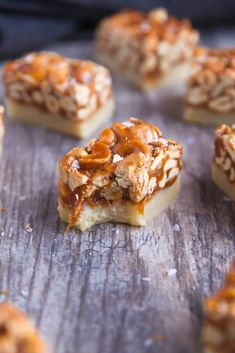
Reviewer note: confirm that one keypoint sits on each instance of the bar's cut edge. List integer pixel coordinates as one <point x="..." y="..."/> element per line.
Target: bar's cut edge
<point x="81" y="129"/>
<point x="220" y="178"/>
<point x="124" y="212"/>
<point x="178" y="73"/>
<point x="207" y="117"/>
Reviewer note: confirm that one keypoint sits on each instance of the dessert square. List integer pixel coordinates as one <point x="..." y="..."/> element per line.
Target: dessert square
<point x="129" y="174"/>
<point x="210" y="97"/>
<point x="223" y="165"/>
<point x="17" y="334"/>
<point x="219" y="322"/>
<point x="149" y="49"/>
<point x="69" y="95"/>
<point x="2" y="129"/>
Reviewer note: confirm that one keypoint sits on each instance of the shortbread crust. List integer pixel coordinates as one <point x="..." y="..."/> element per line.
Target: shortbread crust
<point x="17" y="333"/>
<point x="85" y="128"/>
<point x="146" y="47"/>
<point x="205" y="116"/>
<point x="70" y="95"/>
<point x="128" y="174"/>
<point x="221" y="180"/>
<point x="178" y="73"/>
<point x="121" y="212"/>
<point x="218" y="333"/>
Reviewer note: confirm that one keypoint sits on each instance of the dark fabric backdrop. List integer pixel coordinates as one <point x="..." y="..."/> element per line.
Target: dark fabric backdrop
<point x="31" y="24"/>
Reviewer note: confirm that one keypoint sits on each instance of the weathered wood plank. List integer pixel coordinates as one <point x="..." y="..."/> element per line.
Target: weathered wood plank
<point x="108" y="290"/>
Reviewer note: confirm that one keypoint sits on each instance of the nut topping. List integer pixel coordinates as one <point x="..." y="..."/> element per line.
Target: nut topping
<point x="225" y="150"/>
<point x="57" y="84"/>
<point x="212" y="84"/>
<point x="145" y="45"/>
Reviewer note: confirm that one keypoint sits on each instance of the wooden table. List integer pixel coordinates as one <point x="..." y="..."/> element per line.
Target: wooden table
<point x="114" y="288"/>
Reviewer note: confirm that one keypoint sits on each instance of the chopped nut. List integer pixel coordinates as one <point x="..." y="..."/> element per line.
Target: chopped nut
<point x="76" y="179"/>
<point x="52" y="103"/>
<point x="221" y="104"/>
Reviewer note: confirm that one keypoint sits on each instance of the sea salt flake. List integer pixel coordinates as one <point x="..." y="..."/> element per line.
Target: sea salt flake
<point x="75" y="164"/>
<point x="127" y="123"/>
<point x="176" y="228"/>
<point x="146" y="279"/>
<point x="117" y="158"/>
<point x="172" y="272"/>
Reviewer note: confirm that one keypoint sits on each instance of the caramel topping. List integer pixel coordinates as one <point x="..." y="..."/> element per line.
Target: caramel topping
<point x="141" y="24"/>
<point x="130" y="146"/>
<point x="99" y="156"/>
<point x="217" y="60"/>
<point x="107" y="137"/>
<point x="52" y="67"/>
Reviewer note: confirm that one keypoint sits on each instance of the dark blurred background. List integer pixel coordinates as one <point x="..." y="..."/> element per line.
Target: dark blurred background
<point x="31" y="24"/>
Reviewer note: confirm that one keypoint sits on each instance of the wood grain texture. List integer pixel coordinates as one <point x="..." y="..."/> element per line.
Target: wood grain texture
<point x="108" y="290"/>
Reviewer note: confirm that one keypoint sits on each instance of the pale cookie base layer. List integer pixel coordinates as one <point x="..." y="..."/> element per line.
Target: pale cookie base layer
<point x="221" y="180"/>
<point x="124" y="212"/>
<point x="206" y="116"/>
<point x="81" y="129"/>
<point x="177" y="73"/>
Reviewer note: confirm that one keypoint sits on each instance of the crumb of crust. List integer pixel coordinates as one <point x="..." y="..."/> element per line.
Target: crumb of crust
<point x="176" y="227"/>
<point x="28" y="228"/>
<point x="159" y="338"/>
<point x="17" y="333"/>
<point x="4" y="292"/>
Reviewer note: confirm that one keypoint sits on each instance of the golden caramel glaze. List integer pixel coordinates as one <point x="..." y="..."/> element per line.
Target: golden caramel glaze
<point x="149" y="42"/>
<point x="127" y="162"/>
<point x="219" y="327"/>
<point x="17" y="334"/>
<point x="224" y="155"/>
<point x="74" y="88"/>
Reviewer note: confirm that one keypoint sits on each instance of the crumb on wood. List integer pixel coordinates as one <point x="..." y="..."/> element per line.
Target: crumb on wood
<point x="159" y="338"/>
<point x="172" y="272"/>
<point x="4" y="292"/>
<point x="176" y="228"/>
<point x="28" y="228"/>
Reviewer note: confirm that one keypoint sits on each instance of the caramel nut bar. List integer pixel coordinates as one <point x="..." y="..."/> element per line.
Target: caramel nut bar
<point x="2" y="129"/>
<point x="148" y="49"/>
<point x="210" y="95"/>
<point x="128" y="174"/>
<point x="223" y="165"/>
<point x="69" y="95"/>
<point x="17" y="334"/>
<point x="219" y="323"/>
